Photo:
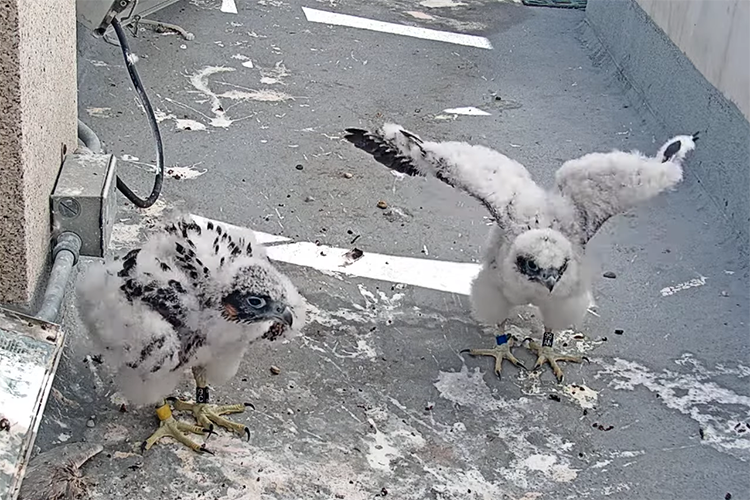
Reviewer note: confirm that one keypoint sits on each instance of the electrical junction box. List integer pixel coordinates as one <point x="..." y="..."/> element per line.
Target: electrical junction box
<point x="96" y="15"/>
<point x="84" y="200"/>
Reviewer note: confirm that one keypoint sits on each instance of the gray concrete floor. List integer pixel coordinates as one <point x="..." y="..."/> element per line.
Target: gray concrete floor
<point x="374" y="399"/>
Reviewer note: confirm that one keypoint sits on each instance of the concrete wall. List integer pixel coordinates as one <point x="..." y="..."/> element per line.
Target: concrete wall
<point x="715" y="36"/>
<point x="658" y="74"/>
<point x="38" y="113"/>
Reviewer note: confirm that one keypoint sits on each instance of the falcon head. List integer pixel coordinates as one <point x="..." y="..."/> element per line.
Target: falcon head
<point x="258" y="293"/>
<point x="541" y="257"/>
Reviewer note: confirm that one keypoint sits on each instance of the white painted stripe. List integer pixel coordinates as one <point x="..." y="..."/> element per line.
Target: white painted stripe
<point x="263" y="238"/>
<point x="454" y="277"/>
<point x="445" y="276"/>
<point x="470" y="111"/>
<point x="228" y="6"/>
<point x="320" y="16"/>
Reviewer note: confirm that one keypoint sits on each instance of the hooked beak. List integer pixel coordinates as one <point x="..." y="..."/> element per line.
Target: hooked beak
<point x="285" y="315"/>
<point x="549" y="280"/>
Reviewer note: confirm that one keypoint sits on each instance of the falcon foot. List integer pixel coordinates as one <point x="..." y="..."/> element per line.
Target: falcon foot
<point x="169" y="427"/>
<point x="545" y="354"/>
<point x="500" y="352"/>
<point x="206" y="415"/>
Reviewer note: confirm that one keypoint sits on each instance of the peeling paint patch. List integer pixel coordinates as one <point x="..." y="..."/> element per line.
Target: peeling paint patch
<point x="693" y="283"/>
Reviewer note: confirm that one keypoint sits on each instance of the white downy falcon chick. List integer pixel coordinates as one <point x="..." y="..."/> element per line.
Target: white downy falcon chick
<point x="535" y="253"/>
<point x="194" y="296"/>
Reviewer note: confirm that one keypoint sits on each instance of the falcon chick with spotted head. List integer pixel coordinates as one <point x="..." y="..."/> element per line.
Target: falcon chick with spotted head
<point x="535" y="253"/>
<point x="194" y="296"/>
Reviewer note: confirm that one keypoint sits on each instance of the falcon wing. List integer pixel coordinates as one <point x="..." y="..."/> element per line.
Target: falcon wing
<point x="602" y="185"/>
<point x="501" y="184"/>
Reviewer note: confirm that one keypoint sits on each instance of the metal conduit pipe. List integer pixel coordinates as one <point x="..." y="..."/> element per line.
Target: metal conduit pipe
<point x="89" y="138"/>
<point x="64" y="257"/>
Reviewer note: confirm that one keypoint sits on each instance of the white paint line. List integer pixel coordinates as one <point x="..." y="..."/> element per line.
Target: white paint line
<point x="455" y="277"/>
<point x="263" y="238"/>
<point x="445" y="276"/>
<point x="228" y="6"/>
<point x="320" y="16"/>
<point x="693" y="283"/>
<point x="469" y="111"/>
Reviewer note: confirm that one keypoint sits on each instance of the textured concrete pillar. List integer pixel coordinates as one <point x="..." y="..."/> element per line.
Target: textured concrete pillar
<point x="38" y="112"/>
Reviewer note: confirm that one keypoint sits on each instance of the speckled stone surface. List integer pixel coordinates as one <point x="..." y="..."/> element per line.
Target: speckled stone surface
<point x="38" y="112"/>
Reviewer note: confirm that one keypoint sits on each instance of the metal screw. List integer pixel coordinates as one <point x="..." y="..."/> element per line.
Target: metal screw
<point x="69" y="208"/>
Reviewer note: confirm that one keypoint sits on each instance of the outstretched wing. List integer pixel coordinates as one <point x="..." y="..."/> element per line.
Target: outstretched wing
<point x="501" y="184"/>
<point x="602" y="185"/>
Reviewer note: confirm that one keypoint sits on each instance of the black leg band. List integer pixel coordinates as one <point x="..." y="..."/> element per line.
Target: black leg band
<point x="201" y="395"/>
<point x="548" y="338"/>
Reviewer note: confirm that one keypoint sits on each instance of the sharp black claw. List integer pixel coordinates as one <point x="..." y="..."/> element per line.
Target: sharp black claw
<point x="695" y="136"/>
<point x="247" y="433"/>
<point x="171" y="399"/>
<point x="531" y="339"/>
<point x="249" y="405"/>
<point x="143" y="447"/>
<point x="209" y="430"/>
<point x="464" y="350"/>
<point x="203" y="449"/>
<point x="587" y="360"/>
<point x="523" y="366"/>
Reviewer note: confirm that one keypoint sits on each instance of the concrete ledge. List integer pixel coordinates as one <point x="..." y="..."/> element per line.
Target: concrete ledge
<point x="659" y="76"/>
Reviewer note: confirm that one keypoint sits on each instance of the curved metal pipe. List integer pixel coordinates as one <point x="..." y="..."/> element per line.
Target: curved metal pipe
<point x="64" y="258"/>
<point x="89" y="138"/>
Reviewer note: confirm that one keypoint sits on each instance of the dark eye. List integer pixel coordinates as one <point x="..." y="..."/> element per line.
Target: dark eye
<point x="256" y="302"/>
<point x="531" y="265"/>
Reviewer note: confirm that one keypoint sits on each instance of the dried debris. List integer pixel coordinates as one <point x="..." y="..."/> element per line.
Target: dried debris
<point x="4" y="424"/>
<point x="602" y="427"/>
<point x="382" y="205"/>
<point x="610" y="275"/>
<point x="275" y="370"/>
<point x="352" y="256"/>
<point x="618" y="331"/>
<point x="299" y="166"/>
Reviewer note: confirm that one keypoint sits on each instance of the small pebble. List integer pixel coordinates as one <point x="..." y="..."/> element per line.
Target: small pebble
<point x="610" y="275"/>
<point x="382" y="205"/>
<point x="275" y="370"/>
<point x="619" y="332"/>
<point x="299" y="166"/>
<point x="308" y="199"/>
<point x="728" y="496"/>
<point x="90" y="424"/>
<point x="347" y="175"/>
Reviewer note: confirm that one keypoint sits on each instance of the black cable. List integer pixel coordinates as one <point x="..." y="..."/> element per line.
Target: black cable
<point x="159" y="179"/>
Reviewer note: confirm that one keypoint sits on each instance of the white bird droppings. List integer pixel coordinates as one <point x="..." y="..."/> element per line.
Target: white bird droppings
<point x="693" y="283"/>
